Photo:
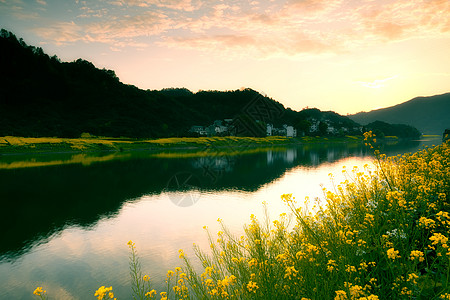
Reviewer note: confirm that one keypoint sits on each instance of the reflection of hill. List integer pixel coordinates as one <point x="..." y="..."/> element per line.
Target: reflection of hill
<point x="40" y="201"/>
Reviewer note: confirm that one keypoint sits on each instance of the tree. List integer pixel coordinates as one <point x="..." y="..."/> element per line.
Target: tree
<point x="323" y="127"/>
<point x="303" y="126"/>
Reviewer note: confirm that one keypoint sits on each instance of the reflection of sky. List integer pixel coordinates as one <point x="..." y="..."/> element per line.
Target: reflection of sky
<point x="77" y="261"/>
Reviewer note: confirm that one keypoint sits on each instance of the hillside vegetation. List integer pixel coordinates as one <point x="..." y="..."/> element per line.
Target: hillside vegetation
<point x="383" y="129"/>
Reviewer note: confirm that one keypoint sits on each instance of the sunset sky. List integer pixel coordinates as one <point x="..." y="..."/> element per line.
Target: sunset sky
<point x="341" y="55"/>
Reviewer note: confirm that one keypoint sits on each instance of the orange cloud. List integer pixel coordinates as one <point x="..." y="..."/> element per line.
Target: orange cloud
<point x="291" y="28"/>
<point x="311" y="5"/>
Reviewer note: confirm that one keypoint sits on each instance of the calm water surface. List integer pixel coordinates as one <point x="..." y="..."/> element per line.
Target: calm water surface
<point x="66" y="218"/>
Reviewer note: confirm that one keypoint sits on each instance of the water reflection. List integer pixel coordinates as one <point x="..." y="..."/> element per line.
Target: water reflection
<point x="56" y="191"/>
<point x="85" y="188"/>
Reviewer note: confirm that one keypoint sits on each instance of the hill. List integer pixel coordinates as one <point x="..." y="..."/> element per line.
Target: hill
<point x="42" y="96"/>
<point x="383" y="129"/>
<point x="431" y="115"/>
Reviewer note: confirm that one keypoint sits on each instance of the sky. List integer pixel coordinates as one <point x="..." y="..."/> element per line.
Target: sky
<point x="341" y="55"/>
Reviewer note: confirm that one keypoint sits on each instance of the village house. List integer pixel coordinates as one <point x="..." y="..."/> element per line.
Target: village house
<point x="200" y="130"/>
<point x="287" y="131"/>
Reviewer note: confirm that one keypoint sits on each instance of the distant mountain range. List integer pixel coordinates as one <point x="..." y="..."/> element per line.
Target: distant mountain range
<point x="430" y="115"/>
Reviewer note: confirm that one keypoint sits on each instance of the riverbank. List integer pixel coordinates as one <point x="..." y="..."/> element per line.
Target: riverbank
<point x="18" y="145"/>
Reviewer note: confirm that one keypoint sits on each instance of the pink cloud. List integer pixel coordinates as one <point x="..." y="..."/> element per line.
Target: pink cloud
<point x="146" y="24"/>
<point x="185" y="5"/>
<point x="62" y="33"/>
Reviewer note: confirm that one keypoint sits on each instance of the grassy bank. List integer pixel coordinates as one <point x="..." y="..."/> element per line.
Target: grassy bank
<point x="382" y="235"/>
<point x="11" y="144"/>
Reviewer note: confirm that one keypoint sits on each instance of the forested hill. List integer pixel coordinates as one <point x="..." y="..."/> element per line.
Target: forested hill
<point x="42" y="96"/>
<point x="431" y="115"/>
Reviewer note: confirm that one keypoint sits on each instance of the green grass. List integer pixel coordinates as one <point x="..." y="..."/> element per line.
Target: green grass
<point x="10" y="144"/>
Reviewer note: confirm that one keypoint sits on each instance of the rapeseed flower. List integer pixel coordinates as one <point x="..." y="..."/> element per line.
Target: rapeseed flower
<point x="393" y="254"/>
<point x="417" y="255"/>
<point x="39" y="291"/>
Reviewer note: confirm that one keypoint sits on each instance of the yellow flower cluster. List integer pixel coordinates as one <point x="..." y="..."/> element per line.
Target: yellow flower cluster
<point x="392" y="253"/>
<point x="427" y="223"/>
<point x="439" y="238"/>
<point x="104" y="291"/>
<point x="417" y="255"/>
<point x="150" y="294"/>
<point x="252" y="286"/>
<point x="39" y="291"/>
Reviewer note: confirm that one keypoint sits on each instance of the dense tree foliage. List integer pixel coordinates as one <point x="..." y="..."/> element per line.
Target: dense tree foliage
<point x="383" y="129"/>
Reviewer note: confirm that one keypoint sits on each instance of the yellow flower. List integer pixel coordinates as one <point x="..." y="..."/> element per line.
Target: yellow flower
<point x="416" y="254"/>
<point x="439" y="238"/>
<point x="176" y="289"/>
<point x="393" y="254"/>
<point x="208" y="270"/>
<point x="340" y="295"/>
<point x="355" y="291"/>
<point x="130" y="243"/>
<point x="146" y="278"/>
<point x="427" y="223"/>
<point x="39" y="291"/>
<point x="286" y="197"/>
<point x="412" y="277"/>
<point x="252" y="262"/>
<point x="350" y="269"/>
<point x="102" y="291"/>
<point x="290" y="271"/>
<point x="213" y="292"/>
<point x="150" y="294"/>
<point x="252" y="286"/>
<point x="331" y="265"/>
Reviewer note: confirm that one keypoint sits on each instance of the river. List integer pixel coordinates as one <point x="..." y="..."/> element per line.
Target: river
<point x="67" y="218"/>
